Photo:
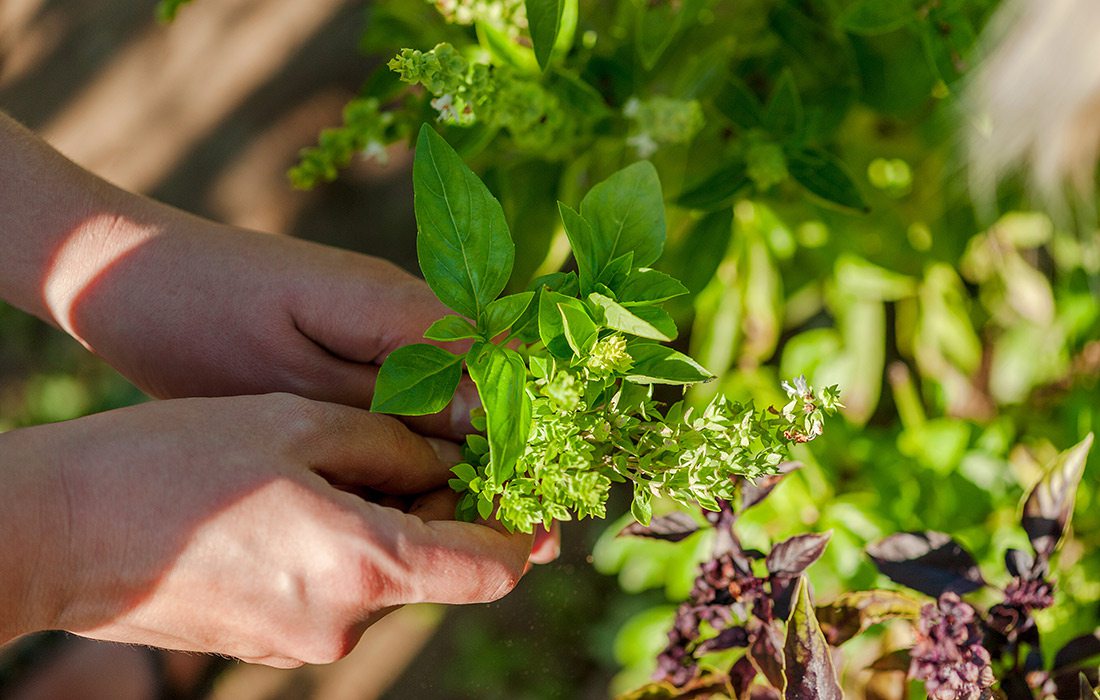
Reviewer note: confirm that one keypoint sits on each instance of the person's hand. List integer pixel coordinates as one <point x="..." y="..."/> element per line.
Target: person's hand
<point x="214" y="525"/>
<point x="185" y="307"/>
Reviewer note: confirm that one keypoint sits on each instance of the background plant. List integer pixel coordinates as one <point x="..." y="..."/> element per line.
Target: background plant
<point x="967" y="348"/>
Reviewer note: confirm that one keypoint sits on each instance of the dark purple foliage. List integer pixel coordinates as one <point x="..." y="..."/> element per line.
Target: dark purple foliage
<point x="672" y="528"/>
<point x="930" y="562"/>
<point x="808" y="670"/>
<point x="948" y="655"/>
<point x="1049" y="506"/>
<point x="754" y="492"/>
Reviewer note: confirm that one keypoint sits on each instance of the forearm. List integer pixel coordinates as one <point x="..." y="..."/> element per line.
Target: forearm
<point x="59" y="225"/>
<point x="30" y="532"/>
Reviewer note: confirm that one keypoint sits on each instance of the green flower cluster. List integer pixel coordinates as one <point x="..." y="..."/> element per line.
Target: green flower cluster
<point x="660" y="120"/>
<point x="498" y="97"/>
<point x="365" y="131"/>
<point x="592" y="428"/>
<point x="509" y="16"/>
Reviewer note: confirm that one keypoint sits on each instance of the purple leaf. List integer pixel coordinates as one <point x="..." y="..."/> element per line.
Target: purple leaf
<point x="753" y="493"/>
<point x="929" y="562"/>
<point x="742" y="674"/>
<point x="767" y="652"/>
<point x="764" y="692"/>
<point x="1084" y="688"/>
<point x="671" y="528"/>
<point x="792" y="556"/>
<point x="727" y="639"/>
<point x="1018" y="563"/>
<point x="1049" y="506"/>
<point x="1076" y="650"/>
<point x="853" y="613"/>
<point x="809" y="665"/>
<point x="898" y="660"/>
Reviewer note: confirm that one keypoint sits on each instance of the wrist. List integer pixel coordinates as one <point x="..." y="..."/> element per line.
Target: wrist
<point x="33" y="542"/>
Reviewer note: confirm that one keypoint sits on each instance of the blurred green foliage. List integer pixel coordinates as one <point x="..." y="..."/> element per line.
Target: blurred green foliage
<point x="821" y="221"/>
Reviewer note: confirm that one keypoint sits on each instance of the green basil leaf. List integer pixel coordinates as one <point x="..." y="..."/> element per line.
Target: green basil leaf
<point x="737" y="103"/>
<point x="450" y="327"/>
<point x="580" y="331"/>
<point x="501" y="376"/>
<point x="826" y="178"/>
<point x="505" y="311"/>
<point x="717" y="189"/>
<point x="640" y="321"/>
<point x="586" y="249"/>
<point x="416" y="380"/>
<point x="551" y="325"/>
<point x="616" y="272"/>
<point x="465" y="472"/>
<point x="783" y="116"/>
<point x="876" y="16"/>
<point x="657" y="364"/>
<point x="647" y="286"/>
<point x="464" y="247"/>
<point x="627" y="213"/>
<point x="544" y="23"/>
<point x="642" y="505"/>
<point x="526" y="328"/>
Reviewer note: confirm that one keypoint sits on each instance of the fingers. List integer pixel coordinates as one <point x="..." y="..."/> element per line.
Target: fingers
<point x="339" y="381"/>
<point x="352" y="447"/>
<point x="547" y="544"/>
<point x="445" y="561"/>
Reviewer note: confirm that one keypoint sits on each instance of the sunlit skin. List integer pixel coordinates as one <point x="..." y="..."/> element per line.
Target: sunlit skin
<point x="251" y="526"/>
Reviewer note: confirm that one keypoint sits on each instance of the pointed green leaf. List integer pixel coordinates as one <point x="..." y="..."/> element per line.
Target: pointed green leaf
<point x="647" y="286"/>
<point x="551" y="325"/>
<point x="544" y="23"/>
<point x="463" y="244"/>
<point x="808" y="667"/>
<point x="501" y="313"/>
<point x="416" y="380"/>
<point x="616" y="272"/>
<point x="737" y="103"/>
<point x="501" y="376"/>
<point x="450" y="328"/>
<point x="526" y="328"/>
<point x="657" y="25"/>
<point x="783" y="116"/>
<point x="826" y="178"/>
<point x="876" y="16"/>
<point x="642" y="505"/>
<point x="657" y="364"/>
<point x="642" y="321"/>
<point x="717" y="189"/>
<point x="586" y="250"/>
<point x="580" y="331"/>
<point x="627" y="213"/>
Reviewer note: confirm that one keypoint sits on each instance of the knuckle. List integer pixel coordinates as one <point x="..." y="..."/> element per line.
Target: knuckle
<point x="329" y="648"/>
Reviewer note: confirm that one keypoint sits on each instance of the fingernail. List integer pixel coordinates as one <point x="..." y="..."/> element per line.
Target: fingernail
<point x="447" y="451"/>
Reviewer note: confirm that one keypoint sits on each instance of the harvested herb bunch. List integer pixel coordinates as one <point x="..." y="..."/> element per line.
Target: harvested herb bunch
<point x="567" y="388"/>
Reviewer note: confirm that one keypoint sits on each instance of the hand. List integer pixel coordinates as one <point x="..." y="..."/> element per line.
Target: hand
<point x="213" y="525"/>
<point x="186" y="307"/>
<point x="200" y="309"/>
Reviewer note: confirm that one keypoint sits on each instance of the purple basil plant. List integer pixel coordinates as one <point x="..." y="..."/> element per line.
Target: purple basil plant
<point x="962" y="653"/>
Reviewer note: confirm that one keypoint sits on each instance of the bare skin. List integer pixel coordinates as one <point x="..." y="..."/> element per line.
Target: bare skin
<point x="248" y="549"/>
<point x="231" y="525"/>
